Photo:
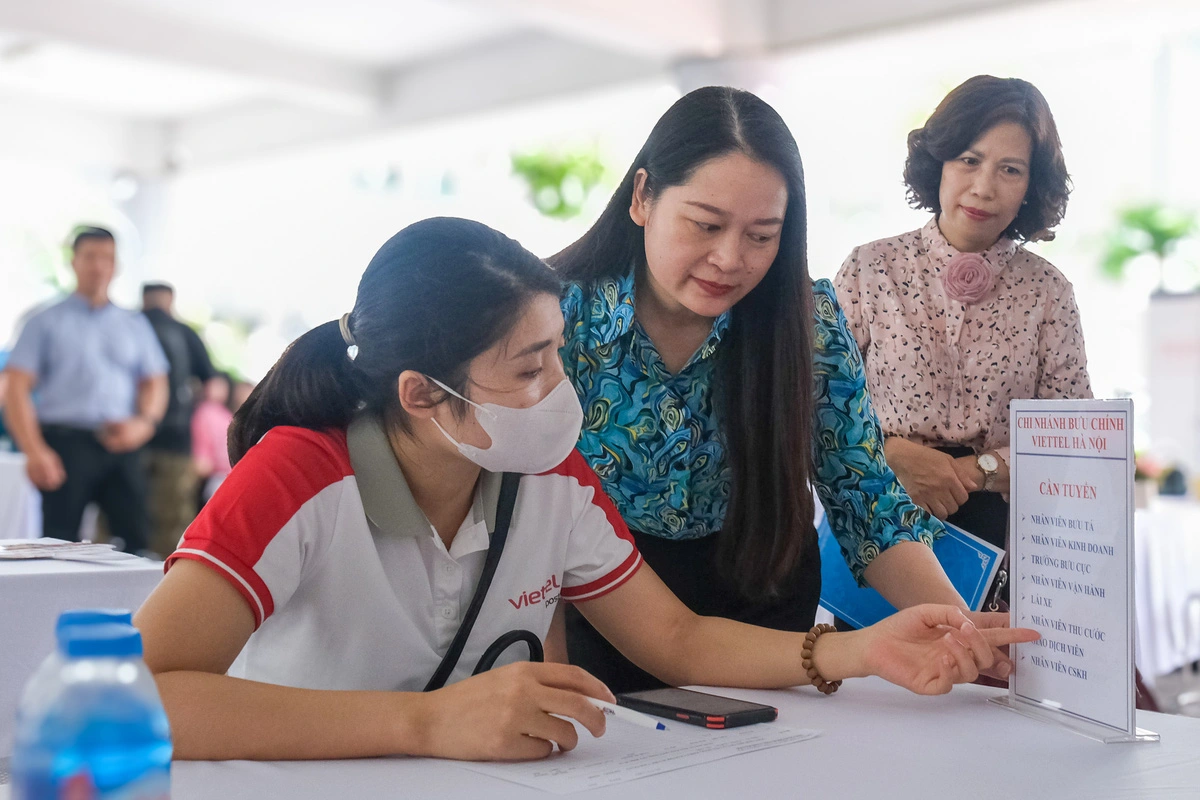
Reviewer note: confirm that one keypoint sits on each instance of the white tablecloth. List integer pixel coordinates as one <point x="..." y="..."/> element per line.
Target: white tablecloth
<point x="20" y="506"/>
<point x="877" y="741"/>
<point x="1167" y="585"/>
<point x="32" y="593"/>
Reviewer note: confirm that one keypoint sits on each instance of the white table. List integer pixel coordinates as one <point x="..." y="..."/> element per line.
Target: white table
<point x="877" y="741"/>
<point x="32" y="593"/>
<point x="20" y="503"/>
<point x="1167" y="585"/>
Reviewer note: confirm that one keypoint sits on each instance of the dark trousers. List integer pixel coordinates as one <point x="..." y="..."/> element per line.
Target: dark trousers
<point x="171" y="480"/>
<point x="114" y="481"/>
<point x="985" y="514"/>
<point x="689" y="569"/>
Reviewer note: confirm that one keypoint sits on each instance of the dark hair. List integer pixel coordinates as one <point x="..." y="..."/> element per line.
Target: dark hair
<point x="764" y="381"/>
<point x="968" y="112"/>
<point x="90" y="233"/>
<point x="437" y="294"/>
<point x="158" y="286"/>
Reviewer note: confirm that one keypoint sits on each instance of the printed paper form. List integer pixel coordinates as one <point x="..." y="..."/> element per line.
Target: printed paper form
<point x="24" y="549"/>
<point x="627" y="752"/>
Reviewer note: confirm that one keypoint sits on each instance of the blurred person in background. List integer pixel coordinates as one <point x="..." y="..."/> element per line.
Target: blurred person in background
<point x="241" y="391"/>
<point x="170" y="473"/>
<point x="5" y="440"/>
<point x="957" y="318"/>
<point x="101" y="381"/>
<point x="210" y="427"/>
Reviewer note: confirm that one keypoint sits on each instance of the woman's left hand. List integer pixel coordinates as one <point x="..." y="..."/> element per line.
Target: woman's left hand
<point x="929" y="648"/>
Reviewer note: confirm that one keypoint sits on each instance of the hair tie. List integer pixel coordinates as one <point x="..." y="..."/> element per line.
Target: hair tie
<point x="347" y="337"/>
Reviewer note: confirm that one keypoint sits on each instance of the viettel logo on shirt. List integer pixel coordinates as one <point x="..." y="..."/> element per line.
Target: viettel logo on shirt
<point x="537" y="596"/>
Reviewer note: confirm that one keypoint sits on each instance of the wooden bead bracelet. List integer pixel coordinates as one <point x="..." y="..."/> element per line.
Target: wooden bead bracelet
<point x="806" y="660"/>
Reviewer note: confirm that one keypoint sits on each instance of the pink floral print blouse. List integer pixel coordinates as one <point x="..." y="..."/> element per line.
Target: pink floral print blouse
<point x="942" y="372"/>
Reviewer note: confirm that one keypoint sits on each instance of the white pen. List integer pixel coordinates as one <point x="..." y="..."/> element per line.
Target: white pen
<point x="627" y="714"/>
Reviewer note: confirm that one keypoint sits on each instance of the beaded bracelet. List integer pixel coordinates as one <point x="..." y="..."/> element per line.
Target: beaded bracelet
<point x="806" y="660"/>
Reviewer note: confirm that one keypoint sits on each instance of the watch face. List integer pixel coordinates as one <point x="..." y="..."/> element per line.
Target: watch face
<point x="988" y="463"/>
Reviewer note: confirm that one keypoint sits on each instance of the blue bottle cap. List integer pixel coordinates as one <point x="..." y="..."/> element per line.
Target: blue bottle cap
<point x="104" y="640"/>
<point x="93" y="616"/>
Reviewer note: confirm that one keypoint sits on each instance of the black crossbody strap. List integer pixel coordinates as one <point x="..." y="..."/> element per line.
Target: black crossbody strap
<point x="509" y="484"/>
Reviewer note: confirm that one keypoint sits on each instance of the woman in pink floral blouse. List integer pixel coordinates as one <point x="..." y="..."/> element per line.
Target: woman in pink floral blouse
<point x="957" y="318"/>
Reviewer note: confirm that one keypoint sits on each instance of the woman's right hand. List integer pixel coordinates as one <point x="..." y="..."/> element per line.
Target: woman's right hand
<point x="505" y="714"/>
<point x="929" y="476"/>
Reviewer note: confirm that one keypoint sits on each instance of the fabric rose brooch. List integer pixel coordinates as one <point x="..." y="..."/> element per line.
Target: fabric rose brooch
<point x="968" y="278"/>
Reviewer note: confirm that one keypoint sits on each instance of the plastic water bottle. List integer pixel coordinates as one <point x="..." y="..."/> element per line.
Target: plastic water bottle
<point x="95" y="728"/>
<point x="47" y="672"/>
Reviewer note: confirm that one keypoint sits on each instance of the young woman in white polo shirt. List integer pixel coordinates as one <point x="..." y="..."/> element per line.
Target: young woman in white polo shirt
<point x="321" y="587"/>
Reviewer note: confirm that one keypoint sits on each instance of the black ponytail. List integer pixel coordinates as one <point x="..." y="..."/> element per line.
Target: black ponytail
<point x="311" y="386"/>
<point x="437" y="294"/>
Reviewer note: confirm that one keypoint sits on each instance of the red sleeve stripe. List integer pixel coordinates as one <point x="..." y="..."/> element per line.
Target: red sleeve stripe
<point x="235" y="579"/>
<point x="576" y="467"/>
<point x="602" y="586"/>
<point x="267" y="488"/>
<point x="269" y="485"/>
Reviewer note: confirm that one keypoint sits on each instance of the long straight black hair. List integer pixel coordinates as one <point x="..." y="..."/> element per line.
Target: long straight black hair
<point x="765" y="378"/>
<point x="437" y="294"/>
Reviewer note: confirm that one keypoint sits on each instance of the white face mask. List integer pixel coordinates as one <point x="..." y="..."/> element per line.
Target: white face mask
<point x="526" y="440"/>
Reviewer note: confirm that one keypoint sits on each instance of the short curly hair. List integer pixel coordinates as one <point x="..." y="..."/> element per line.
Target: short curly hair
<point x="967" y="113"/>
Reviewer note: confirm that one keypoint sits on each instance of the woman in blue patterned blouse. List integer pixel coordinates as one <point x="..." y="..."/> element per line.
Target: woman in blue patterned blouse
<point x="711" y="400"/>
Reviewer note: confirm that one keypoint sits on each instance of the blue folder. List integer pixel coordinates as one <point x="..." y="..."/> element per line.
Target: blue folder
<point x="969" y="562"/>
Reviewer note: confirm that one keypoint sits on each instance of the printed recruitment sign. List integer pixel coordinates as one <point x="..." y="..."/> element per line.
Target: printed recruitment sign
<point x="1071" y="559"/>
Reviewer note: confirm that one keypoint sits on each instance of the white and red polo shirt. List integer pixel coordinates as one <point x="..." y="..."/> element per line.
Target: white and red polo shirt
<point x="351" y="587"/>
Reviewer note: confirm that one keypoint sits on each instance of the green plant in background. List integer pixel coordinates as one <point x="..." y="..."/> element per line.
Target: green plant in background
<point x="1151" y="229"/>
<point x="559" y="182"/>
<point x="51" y="264"/>
<point x="228" y="339"/>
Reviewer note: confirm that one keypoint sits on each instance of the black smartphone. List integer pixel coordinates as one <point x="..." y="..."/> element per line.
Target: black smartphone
<point x="698" y="708"/>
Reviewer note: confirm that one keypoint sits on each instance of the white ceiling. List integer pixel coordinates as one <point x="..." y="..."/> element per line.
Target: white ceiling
<point x="372" y="33"/>
<point x="115" y="83"/>
<point x="211" y="80"/>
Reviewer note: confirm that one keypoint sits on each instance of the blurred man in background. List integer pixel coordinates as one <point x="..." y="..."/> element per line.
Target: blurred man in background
<point x="169" y="469"/>
<point x="101" y="383"/>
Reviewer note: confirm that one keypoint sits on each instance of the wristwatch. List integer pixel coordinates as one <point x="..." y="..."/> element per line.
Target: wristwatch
<point x="988" y="464"/>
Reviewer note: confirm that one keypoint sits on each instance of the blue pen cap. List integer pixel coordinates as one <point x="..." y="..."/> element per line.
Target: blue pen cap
<point x="104" y="640"/>
<point x="93" y="616"/>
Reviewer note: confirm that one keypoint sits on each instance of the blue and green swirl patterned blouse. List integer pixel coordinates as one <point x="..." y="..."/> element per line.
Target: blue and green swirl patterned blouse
<point x="655" y="438"/>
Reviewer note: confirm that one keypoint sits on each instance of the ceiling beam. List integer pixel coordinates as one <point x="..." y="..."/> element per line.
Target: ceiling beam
<point x="656" y="29"/>
<point x="296" y="76"/>
<point x="577" y="47"/>
<point x="522" y="68"/>
<point x="796" y="23"/>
